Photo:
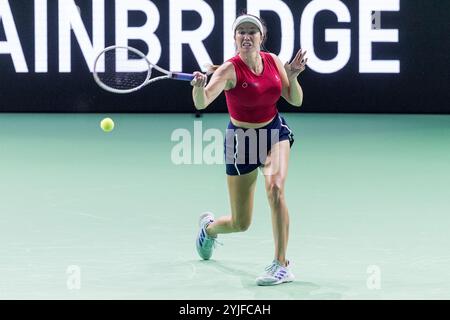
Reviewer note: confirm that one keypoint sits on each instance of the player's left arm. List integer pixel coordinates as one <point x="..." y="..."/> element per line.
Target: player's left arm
<point x="292" y="91"/>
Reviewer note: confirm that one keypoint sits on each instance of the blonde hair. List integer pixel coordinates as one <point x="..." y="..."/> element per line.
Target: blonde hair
<point x="211" y="68"/>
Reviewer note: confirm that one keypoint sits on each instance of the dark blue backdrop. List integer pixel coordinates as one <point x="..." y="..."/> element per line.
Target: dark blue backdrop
<point x="421" y="86"/>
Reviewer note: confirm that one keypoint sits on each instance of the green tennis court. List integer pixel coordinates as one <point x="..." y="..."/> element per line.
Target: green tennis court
<point x="368" y="197"/>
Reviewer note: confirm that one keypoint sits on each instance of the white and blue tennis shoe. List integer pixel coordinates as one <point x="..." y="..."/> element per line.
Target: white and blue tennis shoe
<point x="275" y="274"/>
<point x="205" y="244"/>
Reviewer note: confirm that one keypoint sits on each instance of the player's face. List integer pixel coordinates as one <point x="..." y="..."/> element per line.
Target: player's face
<point x="248" y="37"/>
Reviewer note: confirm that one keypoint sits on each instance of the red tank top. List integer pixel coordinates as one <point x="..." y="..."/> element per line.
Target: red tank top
<point x="254" y="98"/>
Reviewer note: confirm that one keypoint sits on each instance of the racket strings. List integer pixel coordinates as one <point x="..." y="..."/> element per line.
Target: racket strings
<point x="123" y="69"/>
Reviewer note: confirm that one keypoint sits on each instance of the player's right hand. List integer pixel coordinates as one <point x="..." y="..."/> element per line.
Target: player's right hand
<point x="200" y="79"/>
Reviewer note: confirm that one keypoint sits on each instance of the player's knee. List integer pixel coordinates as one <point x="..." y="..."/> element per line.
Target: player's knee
<point x="241" y="225"/>
<point x="275" y="191"/>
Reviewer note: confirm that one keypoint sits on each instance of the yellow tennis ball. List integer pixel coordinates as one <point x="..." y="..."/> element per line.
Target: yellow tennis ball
<point x="107" y="124"/>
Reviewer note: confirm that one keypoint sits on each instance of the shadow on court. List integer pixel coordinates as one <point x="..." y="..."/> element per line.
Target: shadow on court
<point x="244" y="271"/>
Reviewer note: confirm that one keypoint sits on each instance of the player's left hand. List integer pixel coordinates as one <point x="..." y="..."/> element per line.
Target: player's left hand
<point x="297" y="65"/>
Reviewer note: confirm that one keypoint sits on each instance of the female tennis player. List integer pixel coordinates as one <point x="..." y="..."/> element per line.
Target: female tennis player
<point x="253" y="82"/>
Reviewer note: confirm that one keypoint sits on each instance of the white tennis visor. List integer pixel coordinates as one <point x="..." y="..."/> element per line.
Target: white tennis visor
<point x="248" y="18"/>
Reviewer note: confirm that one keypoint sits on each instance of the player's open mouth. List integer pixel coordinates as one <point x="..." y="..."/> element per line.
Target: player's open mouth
<point x="246" y="45"/>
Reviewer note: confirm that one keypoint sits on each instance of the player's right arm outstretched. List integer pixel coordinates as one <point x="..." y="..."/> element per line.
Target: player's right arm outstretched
<point x="223" y="78"/>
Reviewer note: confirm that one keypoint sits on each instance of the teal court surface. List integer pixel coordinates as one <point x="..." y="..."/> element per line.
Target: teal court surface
<point x="86" y="214"/>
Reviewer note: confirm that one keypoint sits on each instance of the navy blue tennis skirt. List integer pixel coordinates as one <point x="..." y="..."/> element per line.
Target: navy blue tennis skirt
<point x="247" y="149"/>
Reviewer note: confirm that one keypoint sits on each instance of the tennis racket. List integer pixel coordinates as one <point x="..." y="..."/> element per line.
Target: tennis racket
<point x="120" y="69"/>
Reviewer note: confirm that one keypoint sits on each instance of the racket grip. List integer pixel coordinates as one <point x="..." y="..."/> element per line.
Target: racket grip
<point x="182" y="76"/>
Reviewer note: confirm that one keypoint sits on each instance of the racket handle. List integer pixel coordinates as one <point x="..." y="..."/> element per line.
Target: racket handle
<point x="182" y="76"/>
